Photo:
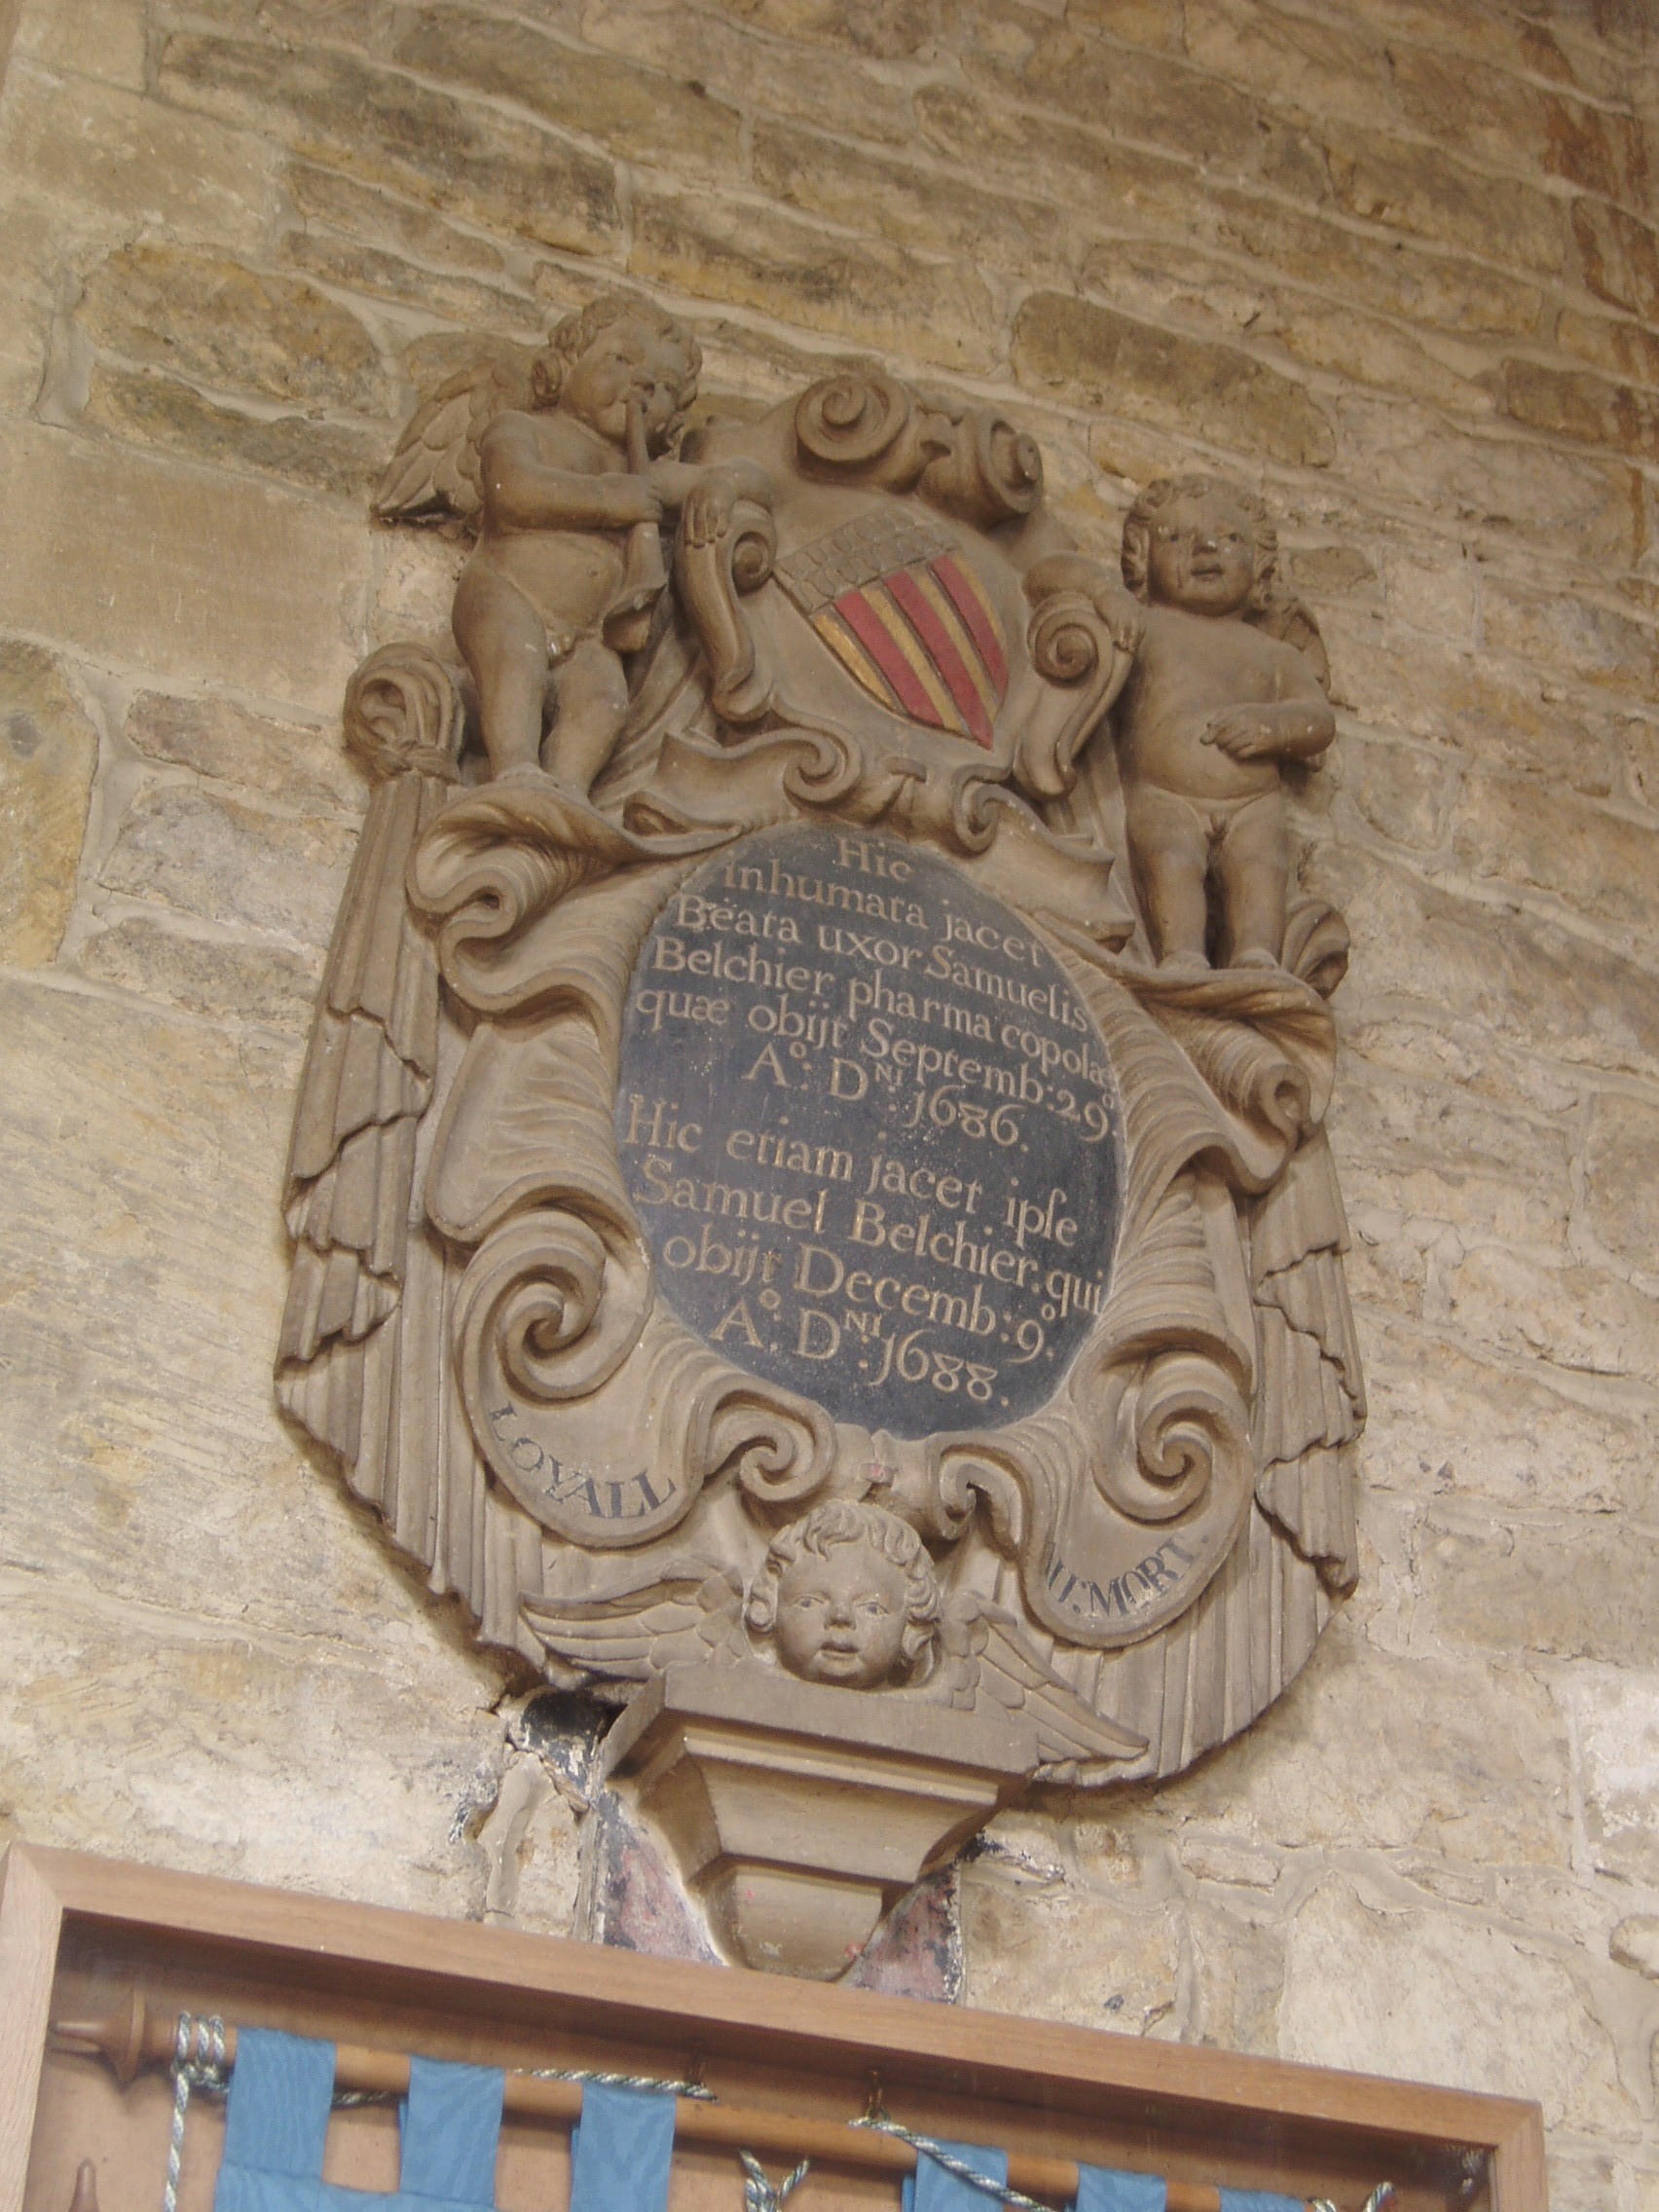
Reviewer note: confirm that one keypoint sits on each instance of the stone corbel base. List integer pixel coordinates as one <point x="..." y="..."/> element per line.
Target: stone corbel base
<point x="801" y="1813"/>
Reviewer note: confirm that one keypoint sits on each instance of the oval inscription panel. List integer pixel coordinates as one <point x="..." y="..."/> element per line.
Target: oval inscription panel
<point x="871" y="1131"/>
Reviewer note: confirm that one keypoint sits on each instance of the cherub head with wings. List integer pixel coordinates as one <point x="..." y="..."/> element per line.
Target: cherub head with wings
<point x="848" y="1596"/>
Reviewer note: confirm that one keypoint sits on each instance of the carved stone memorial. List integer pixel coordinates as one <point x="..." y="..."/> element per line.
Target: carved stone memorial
<point x="810" y="1206"/>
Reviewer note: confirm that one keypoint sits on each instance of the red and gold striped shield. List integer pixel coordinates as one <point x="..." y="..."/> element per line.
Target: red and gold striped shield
<point x="904" y="613"/>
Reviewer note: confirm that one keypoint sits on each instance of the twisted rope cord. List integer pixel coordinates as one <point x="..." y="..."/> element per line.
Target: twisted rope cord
<point x="761" y="2195"/>
<point x="699" y="2089"/>
<point x="198" y="2063"/>
<point x="1001" y="2190"/>
<point x="1381" y="2199"/>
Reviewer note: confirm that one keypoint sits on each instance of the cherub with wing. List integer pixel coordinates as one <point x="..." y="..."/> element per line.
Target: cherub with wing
<point x="1227" y="685"/>
<point x="693" y="1613"/>
<point x="846" y="1596"/>
<point x="567" y="482"/>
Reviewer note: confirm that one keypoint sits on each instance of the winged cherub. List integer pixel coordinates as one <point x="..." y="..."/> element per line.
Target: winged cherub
<point x="567" y="480"/>
<point x="846" y="1596"/>
<point x="1216" y="701"/>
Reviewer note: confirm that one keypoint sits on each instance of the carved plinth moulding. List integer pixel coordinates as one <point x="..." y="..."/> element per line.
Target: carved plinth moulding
<point x="810" y="1202"/>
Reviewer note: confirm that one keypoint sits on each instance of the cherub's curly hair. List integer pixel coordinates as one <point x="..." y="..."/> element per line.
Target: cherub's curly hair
<point x="841" y="1522"/>
<point x="1139" y="522"/>
<point x="569" y="338"/>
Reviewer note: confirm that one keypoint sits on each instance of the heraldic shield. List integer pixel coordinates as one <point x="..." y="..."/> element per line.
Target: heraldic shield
<point x="895" y="603"/>
<point x="773" y="1207"/>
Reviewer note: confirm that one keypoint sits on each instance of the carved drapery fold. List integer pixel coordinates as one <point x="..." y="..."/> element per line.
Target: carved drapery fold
<point x="373" y="1053"/>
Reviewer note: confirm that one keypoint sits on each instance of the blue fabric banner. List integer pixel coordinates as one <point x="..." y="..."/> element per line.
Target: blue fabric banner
<point x="278" y="2116"/>
<point x="277" y="2127"/>
<point x="931" y="2188"/>
<point x="621" y="2150"/>
<point x="1257" y="2200"/>
<point x="1102" y="2189"/>
<point x="452" y="2125"/>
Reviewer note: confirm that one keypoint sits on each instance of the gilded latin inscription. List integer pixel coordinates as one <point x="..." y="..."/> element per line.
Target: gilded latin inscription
<point x="871" y="1132"/>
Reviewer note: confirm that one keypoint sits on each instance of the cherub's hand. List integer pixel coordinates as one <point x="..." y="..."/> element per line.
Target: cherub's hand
<point x="1244" y="734"/>
<point x="706" y="517"/>
<point x="1123" y="615"/>
<point x="630" y="499"/>
<point x="1057" y="574"/>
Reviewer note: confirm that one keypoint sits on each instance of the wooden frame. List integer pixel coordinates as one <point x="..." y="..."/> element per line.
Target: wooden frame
<point x="76" y="1931"/>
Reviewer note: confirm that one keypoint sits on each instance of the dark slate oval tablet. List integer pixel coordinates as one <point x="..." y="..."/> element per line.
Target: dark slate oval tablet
<point x="871" y="1131"/>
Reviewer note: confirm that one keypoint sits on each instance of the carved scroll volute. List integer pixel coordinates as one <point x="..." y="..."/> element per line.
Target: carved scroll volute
<point x="1316" y="944"/>
<point x="403" y="712"/>
<point x="780" y="1448"/>
<point x="549" y="1308"/>
<point x="969" y="460"/>
<point x="494" y="859"/>
<point x="853" y="420"/>
<point x="1173" y="1474"/>
<point x="1081" y="639"/>
<point x="992" y="473"/>
<point x="1182" y="1430"/>
<point x="562" y="1306"/>
<point x="726" y="548"/>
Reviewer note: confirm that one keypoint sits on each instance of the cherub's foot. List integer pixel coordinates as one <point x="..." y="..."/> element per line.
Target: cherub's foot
<point x="1254" y="956"/>
<point x="1183" y="964"/>
<point x="522" y="772"/>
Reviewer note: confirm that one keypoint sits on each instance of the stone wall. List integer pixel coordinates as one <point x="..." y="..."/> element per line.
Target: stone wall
<point x="1397" y="261"/>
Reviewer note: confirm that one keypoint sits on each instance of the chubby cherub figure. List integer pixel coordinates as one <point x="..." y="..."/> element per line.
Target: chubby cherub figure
<point x="848" y="1596"/>
<point x="1214" y="705"/>
<point x="568" y="561"/>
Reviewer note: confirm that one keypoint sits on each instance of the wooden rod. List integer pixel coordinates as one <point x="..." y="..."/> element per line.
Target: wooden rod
<point x="133" y="2036"/>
